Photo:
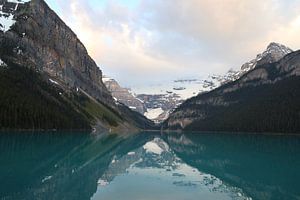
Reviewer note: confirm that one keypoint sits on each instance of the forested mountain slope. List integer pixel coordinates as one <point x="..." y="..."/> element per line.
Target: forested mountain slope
<point x="266" y="99"/>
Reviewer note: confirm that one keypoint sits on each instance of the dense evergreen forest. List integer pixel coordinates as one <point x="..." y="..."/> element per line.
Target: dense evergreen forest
<point x="264" y="108"/>
<point x="29" y="102"/>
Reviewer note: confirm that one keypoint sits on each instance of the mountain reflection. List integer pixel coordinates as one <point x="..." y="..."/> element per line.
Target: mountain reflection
<point x="56" y="166"/>
<point x="153" y="171"/>
<point x="148" y="166"/>
<point x="264" y="167"/>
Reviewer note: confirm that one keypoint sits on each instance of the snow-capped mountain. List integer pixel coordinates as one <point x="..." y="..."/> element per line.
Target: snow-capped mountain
<point x="187" y="88"/>
<point x="154" y="106"/>
<point x="255" y="102"/>
<point x="273" y="53"/>
<point x="159" y="101"/>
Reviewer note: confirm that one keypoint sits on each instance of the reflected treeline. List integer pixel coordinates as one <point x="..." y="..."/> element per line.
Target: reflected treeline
<point x="58" y="165"/>
<point x="68" y="166"/>
<point x="265" y="167"/>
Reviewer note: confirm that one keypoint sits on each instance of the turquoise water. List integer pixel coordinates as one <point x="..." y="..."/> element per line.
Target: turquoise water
<point x="149" y="166"/>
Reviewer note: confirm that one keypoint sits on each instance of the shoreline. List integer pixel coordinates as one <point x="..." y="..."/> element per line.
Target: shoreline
<point x="230" y="133"/>
<point x="90" y="131"/>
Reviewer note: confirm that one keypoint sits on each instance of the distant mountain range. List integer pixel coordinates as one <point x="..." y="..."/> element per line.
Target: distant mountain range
<point x="47" y="78"/>
<point x="264" y="99"/>
<point x="158" y="106"/>
<point x="154" y="106"/>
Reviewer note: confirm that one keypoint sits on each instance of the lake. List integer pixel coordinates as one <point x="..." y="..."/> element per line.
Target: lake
<point x="149" y="166"/>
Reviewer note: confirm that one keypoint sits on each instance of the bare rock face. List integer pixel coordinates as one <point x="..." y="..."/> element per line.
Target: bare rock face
<point x="124" y="96"/>
<point x="273" y="53"/>
<point x="36" y="37"/>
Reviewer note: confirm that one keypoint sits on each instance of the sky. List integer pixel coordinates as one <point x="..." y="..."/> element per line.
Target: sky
<point x="148" y="42"/>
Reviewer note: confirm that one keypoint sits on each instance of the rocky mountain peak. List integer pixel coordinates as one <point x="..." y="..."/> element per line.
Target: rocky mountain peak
<point x="278" y="48"/>
<point x="273" y="53"/>
<point x="123" y="95"/>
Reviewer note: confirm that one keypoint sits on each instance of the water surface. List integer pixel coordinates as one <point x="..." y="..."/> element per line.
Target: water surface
<point x="149" y="166"/>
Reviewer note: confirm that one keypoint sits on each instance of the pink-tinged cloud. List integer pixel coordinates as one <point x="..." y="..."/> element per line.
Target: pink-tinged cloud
<point x="169" y="39"/>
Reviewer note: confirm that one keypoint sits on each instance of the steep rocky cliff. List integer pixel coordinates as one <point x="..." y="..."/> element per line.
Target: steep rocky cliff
<point x="265" y="99"/>
<point x="40" y="39"/>
<point x="34" y="37"/>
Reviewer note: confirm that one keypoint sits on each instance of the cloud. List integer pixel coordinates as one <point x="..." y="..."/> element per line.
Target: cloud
<point x="152" y="41"/>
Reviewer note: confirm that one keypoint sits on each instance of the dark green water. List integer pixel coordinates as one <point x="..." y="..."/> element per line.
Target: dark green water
<point x="148" y="166"/>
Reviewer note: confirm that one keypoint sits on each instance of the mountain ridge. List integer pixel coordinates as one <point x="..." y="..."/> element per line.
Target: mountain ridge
<point x="274" y="52"/>
<point x="265" y="99"/>
<point x="158" y="106"/>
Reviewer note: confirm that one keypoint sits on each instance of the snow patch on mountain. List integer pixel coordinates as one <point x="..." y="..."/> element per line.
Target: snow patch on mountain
<point x="106" y="79"/>
<point x="153" y="113"/>
<point x="54" y="82"/>
<point x="2" y="63"/>
<point x="7" y="13"/>
<point x="6" y="21"/>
